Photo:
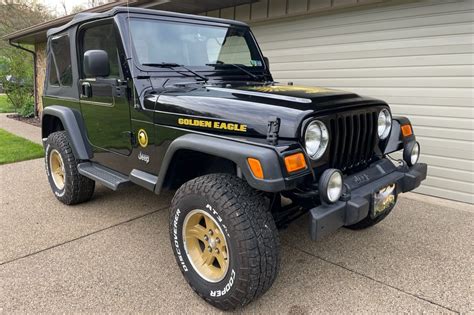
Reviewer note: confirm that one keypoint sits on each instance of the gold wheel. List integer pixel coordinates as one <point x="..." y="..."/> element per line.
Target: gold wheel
<point x="56" y="167"/>
<point x="205" y="245"/>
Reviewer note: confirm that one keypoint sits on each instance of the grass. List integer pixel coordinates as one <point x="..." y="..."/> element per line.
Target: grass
<point x="5" y="105"/>
<point x="15" y="149"/>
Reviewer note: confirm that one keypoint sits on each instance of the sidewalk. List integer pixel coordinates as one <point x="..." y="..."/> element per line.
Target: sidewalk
<point x="21" y="129"/>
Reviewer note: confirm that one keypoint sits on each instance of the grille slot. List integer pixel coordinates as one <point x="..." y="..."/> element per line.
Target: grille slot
<point x="353" y="139"/>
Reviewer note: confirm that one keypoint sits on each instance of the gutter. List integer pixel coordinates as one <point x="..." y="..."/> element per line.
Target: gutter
<point x="35" y="90"/>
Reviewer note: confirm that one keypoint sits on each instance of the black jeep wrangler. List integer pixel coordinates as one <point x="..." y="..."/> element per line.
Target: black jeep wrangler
<point x="174" y="101"/>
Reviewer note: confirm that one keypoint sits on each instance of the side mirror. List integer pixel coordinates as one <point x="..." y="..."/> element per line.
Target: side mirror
<point x="96" y="63"/>
<point x="267" y="62"/>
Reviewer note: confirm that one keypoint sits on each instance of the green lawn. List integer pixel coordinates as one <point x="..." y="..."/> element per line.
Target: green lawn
<point x="5" y="106"/>
<point x="15" y="149"/>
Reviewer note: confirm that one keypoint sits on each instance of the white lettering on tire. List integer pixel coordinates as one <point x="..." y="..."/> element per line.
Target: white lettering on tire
<point x="47" y="160"/>
<point x="176" y="242"/>
<point x="218" y="217"/>
<point x="218" y="293"/>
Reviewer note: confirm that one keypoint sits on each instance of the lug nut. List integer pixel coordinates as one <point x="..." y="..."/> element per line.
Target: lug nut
<point x="206" y="238"/>
<point x="210" y="232"/>
<point x="218" y="240"/>
<point x="217" y="250"/>
<point x="209" y="248"/>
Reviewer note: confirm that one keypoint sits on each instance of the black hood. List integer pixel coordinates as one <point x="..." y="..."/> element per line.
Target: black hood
<point x="249" y="108"/>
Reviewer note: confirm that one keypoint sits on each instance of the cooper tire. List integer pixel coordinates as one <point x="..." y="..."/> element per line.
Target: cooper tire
<point x="251" y="237"/>
<point x="67" y="184"/>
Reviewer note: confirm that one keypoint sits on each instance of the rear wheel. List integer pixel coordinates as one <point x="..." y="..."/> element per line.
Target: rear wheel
<point x="67" y="184"/>
<point x="224" y="239"/>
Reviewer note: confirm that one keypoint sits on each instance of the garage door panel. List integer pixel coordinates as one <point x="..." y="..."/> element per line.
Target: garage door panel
<point x="460" y="175"/>
<point x="393" y="72"/>
<point x="383" y="46"/>
<point x="365" y="63"/>
<point x="340" y="54"/>
<point x="426" y="31"/>
<point x="452" y="148"/>
<point x="385" y="72"/>
<point x="458" y="112"/>
<point x="444" y="133"/>
<point x="396" y="25"/>
<point x="452" y="184"/>
<point x="414" y="10"/>
<point x="431" y="101"/>
<point x="446" y="122"/>
<point x="445" y="193"/>
<point x="446" y="162"/>
<point x="415" y="92"/>
<point x="426" y="82"/>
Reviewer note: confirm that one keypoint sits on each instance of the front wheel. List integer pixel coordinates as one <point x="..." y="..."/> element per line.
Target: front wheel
<point x="224" y="239"/>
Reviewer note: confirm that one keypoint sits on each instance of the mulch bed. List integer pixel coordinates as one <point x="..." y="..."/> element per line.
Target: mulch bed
<point x="35" y="121"/>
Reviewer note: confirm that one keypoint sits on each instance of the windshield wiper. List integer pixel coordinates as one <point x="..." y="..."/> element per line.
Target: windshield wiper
<point x="175" y="65"/>
<point x="238" y="66"/>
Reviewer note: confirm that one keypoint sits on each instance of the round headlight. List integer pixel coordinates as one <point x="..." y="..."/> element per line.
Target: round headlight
<point x="384" y="123"/>
<point x="411" y="153"/>
<point x="330" y="185"/>
<point x="316" y="139"/>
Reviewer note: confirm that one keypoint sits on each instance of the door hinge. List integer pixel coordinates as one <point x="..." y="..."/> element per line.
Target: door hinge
<point x="131" y="136"/>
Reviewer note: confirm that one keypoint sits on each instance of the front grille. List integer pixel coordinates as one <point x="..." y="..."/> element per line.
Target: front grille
<point x="353" y="139"/>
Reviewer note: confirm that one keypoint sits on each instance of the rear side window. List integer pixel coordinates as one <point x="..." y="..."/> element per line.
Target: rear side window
<point x="102" y="37"/>
<point x="60" y="69"/>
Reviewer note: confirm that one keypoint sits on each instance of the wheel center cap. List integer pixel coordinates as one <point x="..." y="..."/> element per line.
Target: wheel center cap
<point x="212" y="243"/>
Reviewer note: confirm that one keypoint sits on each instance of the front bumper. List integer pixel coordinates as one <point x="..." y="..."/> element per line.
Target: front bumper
<point x="356" y="202"/>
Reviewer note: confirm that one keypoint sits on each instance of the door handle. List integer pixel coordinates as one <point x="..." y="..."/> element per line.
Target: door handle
<point x="86" y="90"/>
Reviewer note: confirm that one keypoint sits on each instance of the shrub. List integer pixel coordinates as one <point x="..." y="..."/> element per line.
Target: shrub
<point x="16" y="76"/>
<point x="28" y="108"/>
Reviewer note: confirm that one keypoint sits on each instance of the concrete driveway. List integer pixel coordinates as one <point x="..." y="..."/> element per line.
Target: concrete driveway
<point x="113" y="255"/>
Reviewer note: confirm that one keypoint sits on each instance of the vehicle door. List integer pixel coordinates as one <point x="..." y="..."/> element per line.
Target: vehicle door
<point x="104" y="102"/>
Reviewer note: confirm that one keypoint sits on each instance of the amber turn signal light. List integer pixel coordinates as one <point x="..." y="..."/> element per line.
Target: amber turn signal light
<point x="295" y="162"/>
<point x="255" y="167"/>
<point x="406" y="130"/>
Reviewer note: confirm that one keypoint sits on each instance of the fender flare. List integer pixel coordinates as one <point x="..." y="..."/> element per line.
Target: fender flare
<point x="234" y="151"/>
<point x="396" y="141"/>
<point x="73" y="124"/>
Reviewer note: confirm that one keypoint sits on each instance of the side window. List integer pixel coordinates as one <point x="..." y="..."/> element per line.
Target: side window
<point x="53" y="72"/>
<point x="102" y="37"/>
<point x="60" y="69"/>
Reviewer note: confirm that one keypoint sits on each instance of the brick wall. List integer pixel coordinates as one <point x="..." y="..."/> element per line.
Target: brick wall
<point x="40" y="49"/>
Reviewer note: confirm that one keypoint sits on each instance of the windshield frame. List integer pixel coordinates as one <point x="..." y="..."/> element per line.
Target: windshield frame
<point x="128" y="42"/>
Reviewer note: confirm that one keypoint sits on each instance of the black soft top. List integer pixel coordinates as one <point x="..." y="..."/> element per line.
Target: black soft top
<point x="85" y="16"/>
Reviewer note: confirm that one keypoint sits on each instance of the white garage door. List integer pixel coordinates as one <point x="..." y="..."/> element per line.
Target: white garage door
<point x="418" y="57"/>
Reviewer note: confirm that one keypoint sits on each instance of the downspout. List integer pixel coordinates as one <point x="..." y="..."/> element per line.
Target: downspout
<point x="35" y="92"/>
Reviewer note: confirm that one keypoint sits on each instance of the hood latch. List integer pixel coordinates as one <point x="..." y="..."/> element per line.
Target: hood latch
<point x="273" y="128"/>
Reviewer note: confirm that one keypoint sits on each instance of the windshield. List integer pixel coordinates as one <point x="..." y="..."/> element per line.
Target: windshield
<point x="195" y="45"/>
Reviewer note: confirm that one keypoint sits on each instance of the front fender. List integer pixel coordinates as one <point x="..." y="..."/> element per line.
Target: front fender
<point x="73" y="124"/>
<point x="397" y="141"/>
<point x="234" y="151"/>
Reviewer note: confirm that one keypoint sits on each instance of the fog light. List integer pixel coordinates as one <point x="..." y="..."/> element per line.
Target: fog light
<point x="330" y="185"/>
<point x="411" y="153"/>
